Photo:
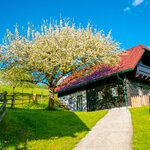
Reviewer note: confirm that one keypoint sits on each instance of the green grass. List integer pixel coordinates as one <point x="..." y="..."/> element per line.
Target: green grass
<point x="28" y="90"/>
<point x="141" y="128"/>
<point x="45" y="130"/>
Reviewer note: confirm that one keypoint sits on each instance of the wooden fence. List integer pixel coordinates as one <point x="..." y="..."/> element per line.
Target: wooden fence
<point x="3" y="108"/>
<point x="22" y="99"/>
<point x="138" y="101"/>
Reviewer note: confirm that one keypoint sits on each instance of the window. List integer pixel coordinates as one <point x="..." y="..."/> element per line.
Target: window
<point x="114" y="91"/>
<point x="140" y="91"/>
<point x="70" y="101"/>
<point x="79" y="103"/>
<point x="100" y="95"/>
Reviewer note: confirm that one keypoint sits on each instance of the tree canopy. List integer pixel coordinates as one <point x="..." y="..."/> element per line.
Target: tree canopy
<point x="46" y="54"/>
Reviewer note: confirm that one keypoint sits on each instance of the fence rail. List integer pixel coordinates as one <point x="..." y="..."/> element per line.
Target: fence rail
<point x="21" y="99"/>
<point x="138" y="101"/>
<point x="3" y="108"/>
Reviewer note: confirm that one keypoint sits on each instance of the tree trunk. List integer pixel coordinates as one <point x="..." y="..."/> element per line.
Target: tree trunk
<point x="51" y="98"/>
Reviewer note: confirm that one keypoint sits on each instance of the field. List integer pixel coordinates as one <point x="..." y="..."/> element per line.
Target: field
<point x="29" y="90"/>
<point x="45" y="130"/>
<point x="141" y="128"/>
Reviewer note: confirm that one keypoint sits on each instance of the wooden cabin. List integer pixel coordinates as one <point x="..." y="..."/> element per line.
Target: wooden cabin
<point x="104" y="87"/>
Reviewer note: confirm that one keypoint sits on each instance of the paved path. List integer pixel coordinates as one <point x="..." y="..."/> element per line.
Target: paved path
<point x="113" y="132"/>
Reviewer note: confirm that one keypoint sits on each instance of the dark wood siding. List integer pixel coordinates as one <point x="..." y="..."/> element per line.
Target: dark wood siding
<point x="105" y="95"/>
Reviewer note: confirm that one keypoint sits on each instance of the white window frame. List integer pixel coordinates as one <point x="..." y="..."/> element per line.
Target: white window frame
<point x="100" y="95"/>
<point x="114" y="91"/>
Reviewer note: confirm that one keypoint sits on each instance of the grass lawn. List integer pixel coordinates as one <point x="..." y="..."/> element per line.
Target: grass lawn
<point x="141" y="128"/>
<point x="36" y="129"/>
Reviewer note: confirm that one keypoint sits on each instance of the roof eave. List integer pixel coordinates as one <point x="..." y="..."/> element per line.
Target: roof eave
<point x="95" y="80"/>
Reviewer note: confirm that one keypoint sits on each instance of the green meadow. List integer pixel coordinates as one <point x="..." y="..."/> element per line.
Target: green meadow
<point x="37" y="129"/>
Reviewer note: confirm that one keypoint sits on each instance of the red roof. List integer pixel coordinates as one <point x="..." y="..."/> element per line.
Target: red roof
<point x="128" y="60"/>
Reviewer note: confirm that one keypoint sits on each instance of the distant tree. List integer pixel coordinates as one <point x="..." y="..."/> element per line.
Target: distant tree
<point x="47" y="54"/>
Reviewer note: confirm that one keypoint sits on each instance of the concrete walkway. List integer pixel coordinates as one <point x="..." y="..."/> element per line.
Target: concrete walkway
<point x="113" y="132"/>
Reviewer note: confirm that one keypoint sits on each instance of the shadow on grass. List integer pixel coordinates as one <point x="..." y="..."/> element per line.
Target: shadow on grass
<point x="20" y="125"/>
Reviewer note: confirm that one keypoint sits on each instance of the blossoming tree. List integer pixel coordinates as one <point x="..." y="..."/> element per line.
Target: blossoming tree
<point x="45" y="55"/>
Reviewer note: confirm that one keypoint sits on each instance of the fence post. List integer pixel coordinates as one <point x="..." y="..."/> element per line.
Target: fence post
<point x="149" y="102"/>
<point x="41" y="97"/>
<point x="3" y="108"/>
<point x="22" y="96"/>
<point x="34" y="98"/>
<point x="5" y="97"/>
<point x="29" y="99"/>
<point x="13" y="98"/>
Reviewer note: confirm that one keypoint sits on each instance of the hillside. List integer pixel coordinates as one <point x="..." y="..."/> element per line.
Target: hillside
<point x="43" y="129"/>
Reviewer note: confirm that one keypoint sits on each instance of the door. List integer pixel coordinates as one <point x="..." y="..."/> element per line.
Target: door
<point x="79" y="103"/>
<point x="91" y="99"/>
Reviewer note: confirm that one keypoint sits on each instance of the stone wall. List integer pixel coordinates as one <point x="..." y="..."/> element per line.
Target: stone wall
<point x="108" y="95"/>
<point x="71" y="100"/>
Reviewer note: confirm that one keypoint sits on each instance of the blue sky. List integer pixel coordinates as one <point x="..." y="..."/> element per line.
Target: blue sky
<point x="129" y="20"/>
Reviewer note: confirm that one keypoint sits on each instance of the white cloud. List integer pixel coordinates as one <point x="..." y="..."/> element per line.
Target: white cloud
<point x="137" y="2"/>
<point x="127" y="9"/>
